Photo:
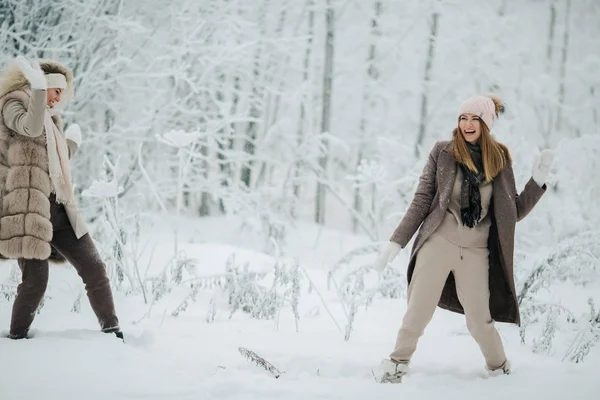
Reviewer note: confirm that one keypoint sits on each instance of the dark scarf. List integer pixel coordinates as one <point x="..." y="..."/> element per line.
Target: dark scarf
<point x="470" y="198"/>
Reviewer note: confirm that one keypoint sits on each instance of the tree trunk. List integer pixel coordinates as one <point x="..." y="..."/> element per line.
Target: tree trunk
<point x="204" y="207"/>
<point x="224" y="141"/>
<point x="594" y="107"/>
<point x="368" y="102"/>
<point x="549" y="53"/>
<point x="563" y="68"/>
<point x="279" y="72"/>
<point x="326" y="114"/>
<point x="426" y="78"/>
<point x="256" y="99"/>
<point x="550" y="45"/>
<point x="307" y="95"/>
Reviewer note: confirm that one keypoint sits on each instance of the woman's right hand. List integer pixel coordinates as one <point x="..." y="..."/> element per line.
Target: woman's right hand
<point x="33" y="73"/>
<point x="386" y="256"/>
<point x="541" y="166"/>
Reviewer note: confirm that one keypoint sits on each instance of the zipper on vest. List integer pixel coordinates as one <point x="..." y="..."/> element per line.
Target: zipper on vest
<point x="461" y="252"/>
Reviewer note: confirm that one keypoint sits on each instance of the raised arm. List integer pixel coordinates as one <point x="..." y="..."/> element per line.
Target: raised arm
<point x="529" y="196"/>
<point x="27" y="122"/>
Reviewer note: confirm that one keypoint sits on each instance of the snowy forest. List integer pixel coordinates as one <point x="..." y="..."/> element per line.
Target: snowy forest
<point x="247" y="160"/>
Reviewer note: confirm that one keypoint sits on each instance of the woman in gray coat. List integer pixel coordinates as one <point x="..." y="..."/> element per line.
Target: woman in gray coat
<point x="465" y="209"/>
<point x="38" y="215"/>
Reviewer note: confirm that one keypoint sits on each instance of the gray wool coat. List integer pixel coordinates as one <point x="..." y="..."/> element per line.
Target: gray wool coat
<point x="507" y="207"/>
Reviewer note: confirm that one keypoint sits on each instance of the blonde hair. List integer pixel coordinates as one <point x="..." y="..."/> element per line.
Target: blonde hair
<point x="495" y="155"/>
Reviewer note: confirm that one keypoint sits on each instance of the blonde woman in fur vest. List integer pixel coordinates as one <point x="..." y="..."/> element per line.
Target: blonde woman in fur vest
<point x="465" y="209"/>
<point x="38" y="216"/>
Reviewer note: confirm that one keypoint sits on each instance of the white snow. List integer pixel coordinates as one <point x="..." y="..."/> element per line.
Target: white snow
<point x="185" y="357"/>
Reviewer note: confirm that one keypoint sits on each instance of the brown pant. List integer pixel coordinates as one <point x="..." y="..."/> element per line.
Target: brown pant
<point x="435" y="260"/>
<point x="82" y="254"/>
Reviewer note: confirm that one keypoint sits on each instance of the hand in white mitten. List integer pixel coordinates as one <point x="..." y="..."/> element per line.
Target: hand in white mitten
<point x="388" y="254"/>
<point x="33" y="73"/>
<point x="541" y="166"/>
<point x="73" y="133"/>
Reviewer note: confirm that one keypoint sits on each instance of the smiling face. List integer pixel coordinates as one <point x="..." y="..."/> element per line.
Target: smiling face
<point x="53" y="96"/>
<point x="470" y="127"/>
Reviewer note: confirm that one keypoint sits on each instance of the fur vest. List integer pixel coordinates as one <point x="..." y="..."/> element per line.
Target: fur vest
<point x="25" y="188"/>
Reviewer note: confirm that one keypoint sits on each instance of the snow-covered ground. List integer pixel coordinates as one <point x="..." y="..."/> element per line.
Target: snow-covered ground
<point x="186" y="357"/>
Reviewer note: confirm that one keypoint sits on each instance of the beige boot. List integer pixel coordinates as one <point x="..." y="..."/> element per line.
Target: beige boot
<point x="504" y="369"/>
<point x="390" y="371"/>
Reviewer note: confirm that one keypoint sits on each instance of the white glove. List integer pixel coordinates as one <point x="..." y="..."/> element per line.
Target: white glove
<point x="541" y="166"/>
<point x="73" y="133"/>
<point x="388" y="254"/>
<point x="33" y="73"/>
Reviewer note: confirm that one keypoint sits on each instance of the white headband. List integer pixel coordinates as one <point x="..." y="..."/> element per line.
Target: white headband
<point x="56" y="81"/>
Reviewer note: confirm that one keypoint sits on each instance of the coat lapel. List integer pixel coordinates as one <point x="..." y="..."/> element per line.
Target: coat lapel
<point x="446" y="175"/>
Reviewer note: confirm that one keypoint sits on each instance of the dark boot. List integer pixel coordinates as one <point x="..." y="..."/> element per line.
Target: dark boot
<point x="82" y="254"/>
<point x="16" y="337"/>
<point x="117" y="331"/>
<point x="30" y="293"/>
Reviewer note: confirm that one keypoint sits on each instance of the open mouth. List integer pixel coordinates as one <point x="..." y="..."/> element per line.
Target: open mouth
<point x="470" y="132"/>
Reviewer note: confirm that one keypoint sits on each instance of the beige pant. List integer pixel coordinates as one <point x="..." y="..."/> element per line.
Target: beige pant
<point x="436" y="258"/>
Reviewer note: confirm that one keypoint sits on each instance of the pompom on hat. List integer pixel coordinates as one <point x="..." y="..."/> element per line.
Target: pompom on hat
<point x="488" y="108"/>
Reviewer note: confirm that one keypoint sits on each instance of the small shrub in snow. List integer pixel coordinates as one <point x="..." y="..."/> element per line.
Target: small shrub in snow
<point x="185" y="303"/>
<point x="244" y="289"/>
<point x="117" y="245"/>
<point x="355" y="289"/>
<point x="353" y="293"/>
<point x="182" y="263"/>
<point x="259" y="361"/>
<point x="8" y="288"/>
<point x="584" y="252"/>
<point x="76" y="308"/>
<point x="544" y="343"/>
<point x="212" y="311"/>
<point x="8" y="292"/>
<point x="246" y="293"/>
<point x="391" y="285"/>
<point x="160" y="287"/>
<point x="588" y="336"/>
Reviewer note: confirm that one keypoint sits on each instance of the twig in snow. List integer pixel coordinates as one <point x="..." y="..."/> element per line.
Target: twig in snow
<point x="261" y="362"/>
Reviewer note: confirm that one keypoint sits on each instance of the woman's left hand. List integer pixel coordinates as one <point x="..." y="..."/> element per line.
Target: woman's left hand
<point x="541" y="166"/>
<point x="73" y="133"/>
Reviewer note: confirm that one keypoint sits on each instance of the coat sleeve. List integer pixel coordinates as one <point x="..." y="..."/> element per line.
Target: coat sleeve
<point x="528" y="198"/>
<point x="27" y="122"/>
<point x="421" y="203"/>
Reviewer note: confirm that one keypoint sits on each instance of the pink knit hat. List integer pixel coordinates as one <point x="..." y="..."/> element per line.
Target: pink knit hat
<point x="482" y="106"/>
